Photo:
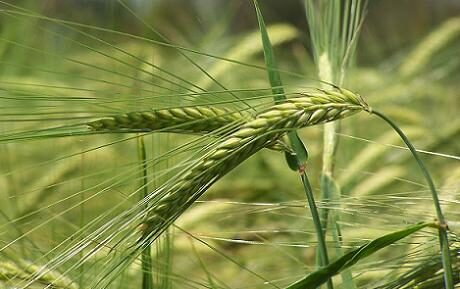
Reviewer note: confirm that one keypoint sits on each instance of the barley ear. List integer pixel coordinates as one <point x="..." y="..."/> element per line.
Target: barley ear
<point x="167" y="203"/>
<point x="15" y="274"/>
<point x="189" y="120"/>
<point x="267" y="127"/>
<point x="199" y="119"/>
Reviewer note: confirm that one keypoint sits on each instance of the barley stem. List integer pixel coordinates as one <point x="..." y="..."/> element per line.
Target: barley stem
<point x="326" y="73"/>
<point x="442" y="231"/>
<point x="298" y="160"/>
<point x="147" y="280"/>
<point x="320" y="236"/>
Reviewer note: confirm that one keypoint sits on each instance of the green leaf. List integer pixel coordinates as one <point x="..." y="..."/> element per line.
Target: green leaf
<point x="291" y="160"/>
<point x="321" y="276"/>
<point x="301" y="154"/>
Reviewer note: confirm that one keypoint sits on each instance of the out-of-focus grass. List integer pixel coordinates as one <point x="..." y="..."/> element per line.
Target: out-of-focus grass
<point x="52" y="74"/>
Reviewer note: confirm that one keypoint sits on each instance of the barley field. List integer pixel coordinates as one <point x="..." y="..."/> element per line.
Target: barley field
<point x="230" y="144"/>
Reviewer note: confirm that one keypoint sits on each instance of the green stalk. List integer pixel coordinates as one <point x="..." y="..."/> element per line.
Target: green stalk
<point x="334" y="27"/>
<point x="146" y="258"/>
<point x="347" y="277"/>
<point x="322" y="248"/>
<point x="82" y="214"/>
<point x="329" y="149"/>
<point x="327" y="177"/>
<point x="298" y="160"/>
<point x="442" y="231"/>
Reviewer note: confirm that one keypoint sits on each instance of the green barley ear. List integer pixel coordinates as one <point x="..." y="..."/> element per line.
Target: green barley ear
<point x="11" y="273"/>
<point x="207" y="120"/>
<point x="307" y="110"/>
<point x="198" y="119"/>
<point x="270" y="125"/>
<point x="168" y="202"/>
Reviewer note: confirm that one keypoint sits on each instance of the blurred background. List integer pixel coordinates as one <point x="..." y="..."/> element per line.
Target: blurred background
<point x="55" y="73"/>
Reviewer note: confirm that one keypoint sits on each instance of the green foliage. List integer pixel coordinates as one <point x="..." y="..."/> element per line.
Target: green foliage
<point x="301" y="154"/>
<point x="349" y="259"/>
<point x="80" y="195"/>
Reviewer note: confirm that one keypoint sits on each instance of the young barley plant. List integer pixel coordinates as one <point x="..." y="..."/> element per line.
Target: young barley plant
<point x="112" y="132"/>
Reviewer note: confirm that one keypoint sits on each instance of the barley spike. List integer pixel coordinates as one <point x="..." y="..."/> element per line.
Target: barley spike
<point x="168" y="202"/>
<point x="267" y="127"/>
<point x="13" y="274"/>
<point x="198" y="119"/>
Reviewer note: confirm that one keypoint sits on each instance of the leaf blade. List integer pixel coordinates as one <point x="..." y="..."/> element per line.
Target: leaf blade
<point x="278" y="90"/>
<point x="349" y="259"/>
